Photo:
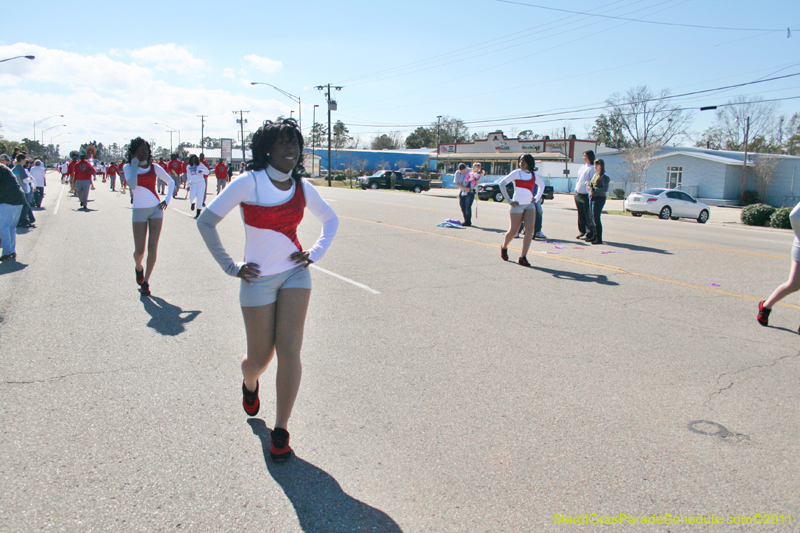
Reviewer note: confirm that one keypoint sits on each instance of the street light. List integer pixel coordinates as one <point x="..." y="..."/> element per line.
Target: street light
<point x="293" y="97"/>
<point x="50" y="128"/>
<point x="55" y="136"/>
<point x="40" y="121"/>
<point x="17" y="57"/>
<point x="170" y="135"/>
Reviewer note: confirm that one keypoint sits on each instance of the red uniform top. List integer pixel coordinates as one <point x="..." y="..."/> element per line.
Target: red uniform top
<point x="71" y="168"/>
<point x="175" y="167"/>
<point x="204" y="162"/>
<point x="221" y="171"/>
<point x="184" y="166"/>
<point x="83" y="170"/>
<point x="148" y="181"/>
<point x="112" y="170"/>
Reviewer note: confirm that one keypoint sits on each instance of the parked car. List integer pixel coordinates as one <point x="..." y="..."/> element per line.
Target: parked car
<point x="666" y="203"/>
<point x="384" y="178"/>
<point x="408" y="172"/>
<point x="491" y="191"/>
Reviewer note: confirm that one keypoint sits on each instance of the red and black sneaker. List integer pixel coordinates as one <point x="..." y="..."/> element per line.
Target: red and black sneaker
<point x="524" y="261"/>
<point x="763" y="314"/>
<point x="279" y="448"/>
<point x="504" y="254"/>
<point x="139" y="276"/>
<point x="145" y="289"/>
<point x="250" y="400"/>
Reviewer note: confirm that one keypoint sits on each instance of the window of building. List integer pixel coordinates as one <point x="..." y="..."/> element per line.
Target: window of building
<point x="674" y="175"/>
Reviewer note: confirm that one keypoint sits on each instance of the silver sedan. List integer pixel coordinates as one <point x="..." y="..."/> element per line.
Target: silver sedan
<point x="666" y="203"/>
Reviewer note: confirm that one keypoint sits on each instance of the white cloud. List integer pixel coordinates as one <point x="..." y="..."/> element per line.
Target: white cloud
<point x="264" y="64"/>
<point x="110" y="101"/>
<point x="228" y="73"/>
<point x="170" y="57"/>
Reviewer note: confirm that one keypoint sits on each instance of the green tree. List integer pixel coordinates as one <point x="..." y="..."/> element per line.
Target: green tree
<point x="527" y="135"/>
<point x="421" y="137"/>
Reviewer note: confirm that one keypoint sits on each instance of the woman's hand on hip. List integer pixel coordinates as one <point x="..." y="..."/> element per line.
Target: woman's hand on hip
<point x="163" y="205"/>
<point x="514" y="204"/>
<point x="248" y="271"/>
<point x="301" y="258"/>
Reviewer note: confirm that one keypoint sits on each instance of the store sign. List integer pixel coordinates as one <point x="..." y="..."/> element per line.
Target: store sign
<point x="534" y="147"/>
<point x="447" y="149"/>
<point x="227" y="149"/>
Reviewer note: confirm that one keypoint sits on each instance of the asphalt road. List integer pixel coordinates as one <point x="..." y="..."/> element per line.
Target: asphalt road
<point x="444" y="390"/>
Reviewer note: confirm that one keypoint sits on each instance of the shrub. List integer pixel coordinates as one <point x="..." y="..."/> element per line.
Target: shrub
<point x="757" y="214"/>
<point x="339" y="177"/>
<point x="749" y="197"/>
<point x="619" y="193"/>
<point x="780" y="218"/>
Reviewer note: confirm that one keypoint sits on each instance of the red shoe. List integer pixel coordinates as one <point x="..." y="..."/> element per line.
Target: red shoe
<point x="504" y="254"/>
<point x="145" y="289"/>
<point x="250" y="400"/>
<point x="763" y="314"/>
<point x="279" y="448"/>
<point x="524" y="261"/>
<point x="139" y="275"/>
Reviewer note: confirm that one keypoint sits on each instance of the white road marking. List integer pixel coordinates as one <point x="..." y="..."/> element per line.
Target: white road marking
<point x="190" y="215"/>
<point x="58" y="203"/>
<point x="357" y="284"/>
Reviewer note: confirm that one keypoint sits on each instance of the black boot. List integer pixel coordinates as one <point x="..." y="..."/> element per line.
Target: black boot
<point x="598" y="236"/>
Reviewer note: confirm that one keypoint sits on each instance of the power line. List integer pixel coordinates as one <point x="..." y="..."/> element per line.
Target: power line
<point x="643" y="21"/>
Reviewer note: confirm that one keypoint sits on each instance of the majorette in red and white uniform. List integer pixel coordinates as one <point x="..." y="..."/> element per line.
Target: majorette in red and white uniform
<point x="525" y="183"/>
<point x="143" y="185"/>
<point x="271" y="217"/>
<point x="196" y="176"/>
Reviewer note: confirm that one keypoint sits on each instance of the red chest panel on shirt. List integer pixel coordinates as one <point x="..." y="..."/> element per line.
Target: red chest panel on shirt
<point x="148" y="181"/>
<point x="526" y="184"/>
<point x="282" y="218"/>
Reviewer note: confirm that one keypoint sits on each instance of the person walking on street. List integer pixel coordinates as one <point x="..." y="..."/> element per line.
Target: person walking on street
<point x="598" y="189"/>
<point x="196" y="174"/>
<point x="148" y="209"/>
<point x="793" y="283"/>
<point x="221" y="172"/>
<point x="585" y="174"/>
<point x="175" y="169"/>
<point x="275" y="285"/>
<point x="83" y="181"/>
<point x="523" y="205"/>
<point x="112" y="170"/>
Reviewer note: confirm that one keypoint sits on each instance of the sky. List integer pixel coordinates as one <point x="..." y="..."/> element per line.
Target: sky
<point x="114" y="70"/>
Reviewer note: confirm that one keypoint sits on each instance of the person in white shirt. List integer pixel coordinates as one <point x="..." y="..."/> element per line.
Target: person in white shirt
<point x="527" y="185"/>
<point x="148" y="209"/>
<point x="585" y="175"/>
<point x="38" y="172"/>
<point x="275" y="285"/>
<point x="793" y="283"/>
<point x="196" y="174"/>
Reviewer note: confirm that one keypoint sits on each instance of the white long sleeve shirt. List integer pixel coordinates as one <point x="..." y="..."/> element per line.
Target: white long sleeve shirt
<point x="270" y="249"/>
<point x="522" y="196"/>
<point x="794" y="219"/>
<point x="585" y="175"/>
<point x="143" y="197"/>
<point x="38" y="174"/>
<point x="196" y="174"/>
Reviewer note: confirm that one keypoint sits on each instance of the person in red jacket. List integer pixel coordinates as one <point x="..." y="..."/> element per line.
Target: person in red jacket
<point x="83" y="181"/>
<point x="221" y="171"/>
<point x="175" y="169"/>
<point x="112" y="172"/>
<point x="71" y="172"/>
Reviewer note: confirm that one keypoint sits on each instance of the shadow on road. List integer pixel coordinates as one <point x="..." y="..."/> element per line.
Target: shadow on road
<point x="9" y="266"/>
<point x="320" y="503"/>
<point x="635" y="248"/>
<point x="600" y="279"/>
<point x="166" y="318"/>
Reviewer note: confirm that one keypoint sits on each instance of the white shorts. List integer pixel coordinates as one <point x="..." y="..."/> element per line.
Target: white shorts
<point x="143" y="214"/>
<point x="264" y="290"/>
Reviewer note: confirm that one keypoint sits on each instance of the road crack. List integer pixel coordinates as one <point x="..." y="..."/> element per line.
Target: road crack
<point x="747" y="369"/>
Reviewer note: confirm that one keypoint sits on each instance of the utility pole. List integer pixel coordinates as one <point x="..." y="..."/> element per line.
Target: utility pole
<point x="242" y="121"/>
<point x="202" y="131"/>
<point x="744" y="163"/>
<point x="314" y="141"/>
<point x="332" y="106"/>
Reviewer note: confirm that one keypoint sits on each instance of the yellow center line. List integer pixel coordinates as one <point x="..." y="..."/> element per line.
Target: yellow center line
<point x="575" y="261"/>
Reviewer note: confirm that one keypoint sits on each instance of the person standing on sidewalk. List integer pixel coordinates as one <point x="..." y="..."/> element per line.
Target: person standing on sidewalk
<point x="40" y="182"/>
<point x="466" y="196"/>
<point x="793" y="283"/>
<point x="11" y="201"/>
<point x="585" y="174"/>
<point x="598" y="189"/>
<point x="26" y="218"/>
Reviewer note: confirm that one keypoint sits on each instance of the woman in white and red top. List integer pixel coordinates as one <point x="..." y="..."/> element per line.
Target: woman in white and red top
<point x="196" y="173"/>
<point x="275" y="282"/>
<point x="148" y="209"/>
<point x="523" y="205"/>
